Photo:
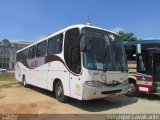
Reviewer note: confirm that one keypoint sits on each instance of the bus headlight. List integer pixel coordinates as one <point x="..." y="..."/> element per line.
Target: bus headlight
<point x="93" y="83"/>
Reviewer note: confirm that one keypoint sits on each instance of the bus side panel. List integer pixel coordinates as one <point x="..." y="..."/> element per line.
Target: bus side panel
<point x="30" y="72"/>
<point x="30" y="76"/>
<point x="57" y="70"/>
<point x="75" y="86"/>
<point x="41" y="73"/>
<point x="41" y="78"/>
<point x="18" y="72"/>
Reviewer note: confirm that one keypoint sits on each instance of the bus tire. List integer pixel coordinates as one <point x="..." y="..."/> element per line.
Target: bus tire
<point x="24" y="81"/>
<point x="132" y="91"/>
<point x="59" y="92"/>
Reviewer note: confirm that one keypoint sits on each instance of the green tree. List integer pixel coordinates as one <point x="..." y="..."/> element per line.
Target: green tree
<point x="127" y="36"/>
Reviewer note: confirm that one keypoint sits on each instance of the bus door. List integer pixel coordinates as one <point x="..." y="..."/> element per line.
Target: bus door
<point x="156" y="67"/>
<point x="144" y="60"/>
<point x="73" y="61"/>
<point x="75" y="79"/>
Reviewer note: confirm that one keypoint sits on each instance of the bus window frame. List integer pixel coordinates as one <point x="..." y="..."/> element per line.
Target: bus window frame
<point x="65" y="44"/>
<point x="45" y="48"/>
<point x="61" y="37"/>
<point x="23" y="54"/>
<point x="35" y="45"/>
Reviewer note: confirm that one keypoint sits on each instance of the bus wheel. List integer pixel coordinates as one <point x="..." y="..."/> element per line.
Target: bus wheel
<point x="24" y="82"/>
<point x="132" y="90"/>
<point x="59" y="92"/>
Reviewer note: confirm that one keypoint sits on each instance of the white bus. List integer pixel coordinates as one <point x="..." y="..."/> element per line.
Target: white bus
<point x="80" y="61"/>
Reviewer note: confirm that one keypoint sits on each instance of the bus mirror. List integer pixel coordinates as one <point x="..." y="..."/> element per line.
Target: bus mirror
<point x="82" y="44"/>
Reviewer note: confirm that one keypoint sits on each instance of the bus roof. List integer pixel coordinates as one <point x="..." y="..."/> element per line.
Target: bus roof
<point x="142" y="42"/>
<point x="65" y="29"/>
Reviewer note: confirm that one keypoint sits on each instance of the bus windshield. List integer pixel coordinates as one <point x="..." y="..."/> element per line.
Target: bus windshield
<point x="104" y="51"/>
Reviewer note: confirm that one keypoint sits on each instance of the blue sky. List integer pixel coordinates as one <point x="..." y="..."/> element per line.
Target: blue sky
<point x="30" y="20"/>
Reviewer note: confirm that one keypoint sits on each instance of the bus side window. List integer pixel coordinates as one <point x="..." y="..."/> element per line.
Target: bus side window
<point x="25" y="54"/>
<point x="131" y="53"/>
<point x="19" y="56"/>
<point x="55" y="45"/>
<point x="72" y="50"/>
<point x="31" y="53"/>
<point x="41" y="49"/>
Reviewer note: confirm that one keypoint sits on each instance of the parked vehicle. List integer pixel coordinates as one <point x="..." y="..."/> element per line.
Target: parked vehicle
<point x="3" y="70"/>
<point x="82" y="62"/>
<point x="144" y="66"/>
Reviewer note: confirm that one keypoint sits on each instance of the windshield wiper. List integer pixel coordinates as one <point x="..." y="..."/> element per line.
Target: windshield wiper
<point x="105" y="62"/>
<point x="120" y="62"/>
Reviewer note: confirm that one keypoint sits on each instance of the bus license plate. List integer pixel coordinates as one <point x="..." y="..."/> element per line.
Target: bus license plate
<point x="143" y="89"/>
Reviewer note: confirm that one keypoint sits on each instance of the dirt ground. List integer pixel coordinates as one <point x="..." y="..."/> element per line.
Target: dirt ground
<point x="34" y="100"/>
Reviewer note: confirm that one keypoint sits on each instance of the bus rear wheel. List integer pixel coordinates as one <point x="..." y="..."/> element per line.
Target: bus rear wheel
<point x="59" y="92"/>
<point x="24" y="82"/>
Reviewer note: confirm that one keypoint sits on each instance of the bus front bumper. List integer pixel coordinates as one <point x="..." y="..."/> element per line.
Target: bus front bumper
<point x="103" y="92"/>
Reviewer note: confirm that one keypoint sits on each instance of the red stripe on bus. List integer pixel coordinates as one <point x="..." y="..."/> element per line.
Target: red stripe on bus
<point x="48" y="59"/>
<point x="147" y="78"/>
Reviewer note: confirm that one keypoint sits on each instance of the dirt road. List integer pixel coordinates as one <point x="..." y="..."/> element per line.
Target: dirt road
<point x="37" y="101"/>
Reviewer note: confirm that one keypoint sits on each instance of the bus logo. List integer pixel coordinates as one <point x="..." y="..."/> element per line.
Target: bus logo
<point x="104" y="78"/>
<point x="34" y="64"/>
<point x="143" y="78"/>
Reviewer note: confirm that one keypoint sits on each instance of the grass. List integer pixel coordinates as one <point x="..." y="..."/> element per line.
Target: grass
<point x="8" y="80"/>
<point x="7" y="77"/>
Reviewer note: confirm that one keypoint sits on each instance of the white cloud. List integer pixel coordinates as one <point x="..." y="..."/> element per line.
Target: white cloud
<point x="40" y="37"/>
<point x="19" y="39"/>
<point x="117" y="29"/>
<point x="151" y="38"/>
<point x="16" y="40"/>
<point x="25" y="40"/>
